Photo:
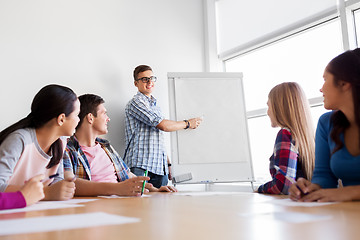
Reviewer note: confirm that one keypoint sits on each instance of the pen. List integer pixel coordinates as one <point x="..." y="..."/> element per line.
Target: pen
<point x="50" y="177"/>
<point x="143" y="186"/>
<point x="289" y="178"/>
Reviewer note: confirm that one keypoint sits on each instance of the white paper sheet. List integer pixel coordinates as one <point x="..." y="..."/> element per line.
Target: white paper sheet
<point x="116" y="196"/>
<point x="43" y="205"/>
<point x="75" y="200"/>
<point x="210" y="193"/>
<point x="62" y="222"/>
<point x="289" y="203"/>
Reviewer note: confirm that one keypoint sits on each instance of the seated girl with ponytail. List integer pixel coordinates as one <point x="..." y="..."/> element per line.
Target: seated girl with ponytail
<point x="337" y="139"/>
<point x="35" y="144"/>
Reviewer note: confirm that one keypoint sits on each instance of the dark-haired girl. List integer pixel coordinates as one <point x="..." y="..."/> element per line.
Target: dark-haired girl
<point x="35" y="144"/>
<point x="337" y="141"/>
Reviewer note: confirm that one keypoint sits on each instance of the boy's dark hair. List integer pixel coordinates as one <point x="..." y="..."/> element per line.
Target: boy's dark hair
<point x="140" y="69"/>
<point x="88" y="104"/>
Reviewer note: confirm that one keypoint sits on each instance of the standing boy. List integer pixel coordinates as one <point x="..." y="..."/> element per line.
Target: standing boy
<point x="145" y="124"/>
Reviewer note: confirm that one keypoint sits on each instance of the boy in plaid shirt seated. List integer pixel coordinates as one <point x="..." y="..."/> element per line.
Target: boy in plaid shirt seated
<point x="97" y="166"/>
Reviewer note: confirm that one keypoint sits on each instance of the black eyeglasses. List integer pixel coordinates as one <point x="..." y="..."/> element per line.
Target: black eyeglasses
<point x="147" y="79"/>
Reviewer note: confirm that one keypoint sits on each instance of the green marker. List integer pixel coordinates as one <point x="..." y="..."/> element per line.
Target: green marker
<point x="143" y="187"/>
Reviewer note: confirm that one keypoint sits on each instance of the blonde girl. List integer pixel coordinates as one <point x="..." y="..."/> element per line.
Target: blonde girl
<point x="294" y="147"/>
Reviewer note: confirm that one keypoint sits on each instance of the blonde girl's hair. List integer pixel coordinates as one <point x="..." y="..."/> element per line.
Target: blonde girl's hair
<point x="290" y="109"/>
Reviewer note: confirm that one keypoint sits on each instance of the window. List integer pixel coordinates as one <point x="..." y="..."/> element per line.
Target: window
<point x="357" y="25"/>
<point x="300" y="58"/>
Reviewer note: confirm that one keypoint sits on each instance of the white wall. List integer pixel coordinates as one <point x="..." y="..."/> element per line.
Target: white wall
<point x="92" y="47"/>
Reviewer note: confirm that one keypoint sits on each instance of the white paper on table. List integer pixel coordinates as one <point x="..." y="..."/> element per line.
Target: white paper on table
<point x="62" y="222"/>
<point x="75" y="200"/>
<point x="210" y="193"/>
<point x="290" y="203"/>
<point x="116" y="196"/>
<point x="42" y="205"/>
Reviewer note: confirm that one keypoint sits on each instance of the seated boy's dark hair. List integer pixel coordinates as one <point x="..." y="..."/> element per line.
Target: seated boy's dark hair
<point x="88" y="104"/>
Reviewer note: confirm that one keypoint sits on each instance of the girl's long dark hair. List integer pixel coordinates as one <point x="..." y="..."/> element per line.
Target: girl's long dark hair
<point x="51" y="101"/>
<point x="345" y="67"/>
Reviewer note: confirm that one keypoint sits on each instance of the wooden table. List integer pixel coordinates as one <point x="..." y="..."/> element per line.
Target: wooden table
<point x="237" y="216"/>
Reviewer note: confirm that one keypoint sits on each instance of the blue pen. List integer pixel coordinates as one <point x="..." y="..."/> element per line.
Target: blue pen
<point x="50" y="177"/>
<point x="289" y="178"/>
